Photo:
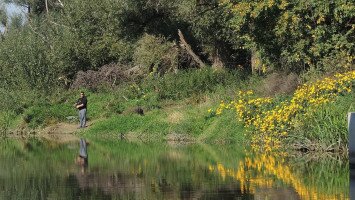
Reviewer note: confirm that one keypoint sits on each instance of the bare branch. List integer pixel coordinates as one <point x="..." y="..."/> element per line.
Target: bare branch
<point x="60" y="3"/>
<point x="46" y="3"/>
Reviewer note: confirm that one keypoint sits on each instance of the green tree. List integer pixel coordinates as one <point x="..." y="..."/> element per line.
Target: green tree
<point x="37" y="7"/>
<point x="295" y="35"/>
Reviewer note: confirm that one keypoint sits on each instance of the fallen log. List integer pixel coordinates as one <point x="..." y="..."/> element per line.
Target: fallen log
<point x="187" y="47"/>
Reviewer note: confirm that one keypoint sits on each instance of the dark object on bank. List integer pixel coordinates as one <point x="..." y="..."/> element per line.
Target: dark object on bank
<point x="139" y="111"/>
<point x="303" y="149"/>
<point x="27" y="118"/>
<point x="122" y="136"/>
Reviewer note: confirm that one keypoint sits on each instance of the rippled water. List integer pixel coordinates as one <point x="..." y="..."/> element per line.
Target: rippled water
<point x="120" y="170"/>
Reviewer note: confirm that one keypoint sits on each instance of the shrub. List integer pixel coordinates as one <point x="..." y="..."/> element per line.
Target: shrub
<point x="273" y="121"/>
<point x="45" y="113"/>
<point x="156" y="54"/>
<point x="110" y="75"/>
<point x="17" y="100"/>
<point x="280" y="83"/>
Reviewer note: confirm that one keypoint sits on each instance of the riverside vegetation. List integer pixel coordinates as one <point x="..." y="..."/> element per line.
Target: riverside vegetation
<point x="284" y="67"/>
<point x="313" y="117"/>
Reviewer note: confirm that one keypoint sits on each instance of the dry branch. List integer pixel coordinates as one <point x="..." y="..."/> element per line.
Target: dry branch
<point x="184" y="44"/>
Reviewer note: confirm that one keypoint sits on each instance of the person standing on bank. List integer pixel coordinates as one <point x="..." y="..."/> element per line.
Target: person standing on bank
<point x="81" y="106"/>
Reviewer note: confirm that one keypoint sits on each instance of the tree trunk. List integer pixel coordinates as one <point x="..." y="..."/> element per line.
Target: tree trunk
<point x="216" y="59"/>
<point x="256" y="62"/>
<point x="189" y="50"/>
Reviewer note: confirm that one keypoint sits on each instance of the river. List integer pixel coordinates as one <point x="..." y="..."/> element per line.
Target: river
<point x="124" y="170"/>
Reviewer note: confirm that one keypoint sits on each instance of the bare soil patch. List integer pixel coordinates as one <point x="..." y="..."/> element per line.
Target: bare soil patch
<point x="61" y="133"/>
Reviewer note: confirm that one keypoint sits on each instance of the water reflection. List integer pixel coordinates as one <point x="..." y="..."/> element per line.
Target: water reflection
<point x="120" y="170"/>
<point x="263" y="174"/>
<point x="83" y="158"/>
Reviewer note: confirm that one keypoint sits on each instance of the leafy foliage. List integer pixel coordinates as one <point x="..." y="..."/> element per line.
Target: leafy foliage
<point x="298" y="34"/>
<point x="156" y="54"/>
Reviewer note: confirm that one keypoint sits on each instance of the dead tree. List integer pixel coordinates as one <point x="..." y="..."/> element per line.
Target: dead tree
<point x="186" y="46"/>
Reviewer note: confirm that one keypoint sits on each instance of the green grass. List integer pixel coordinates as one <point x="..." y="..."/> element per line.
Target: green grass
<point x="129" y="123"/>
<point x="327" y="126"/>
<point x="224" y="128"/>
<point x="192" y="121"/>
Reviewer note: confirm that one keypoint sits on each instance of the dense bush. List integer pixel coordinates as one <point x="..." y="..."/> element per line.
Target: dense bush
<point x="273" y="122"/>
<point x="295" y="35"/>
<point x="26" y="63"/>
<point x="156" y="54"/>
<point x="280" y="83"/>
<point x="47" y="113"/>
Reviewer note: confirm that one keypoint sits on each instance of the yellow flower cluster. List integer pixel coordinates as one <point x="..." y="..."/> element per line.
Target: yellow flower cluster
<point x="264" y="171"/>
<point x="270" y="122"/>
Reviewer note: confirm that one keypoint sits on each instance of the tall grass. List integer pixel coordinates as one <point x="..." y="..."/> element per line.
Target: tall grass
<point x="192" y="82"/>
<point x="6" y="119"/>
<point x="326" y="125"/>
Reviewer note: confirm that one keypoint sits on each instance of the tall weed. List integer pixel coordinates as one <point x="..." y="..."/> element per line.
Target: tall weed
<point x="328" y="124"/>
<point x="185" y="83"/>
<point x="5" y="122"/>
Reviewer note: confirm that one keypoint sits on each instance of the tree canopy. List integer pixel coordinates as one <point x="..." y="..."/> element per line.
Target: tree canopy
<point x="61" y="37"/>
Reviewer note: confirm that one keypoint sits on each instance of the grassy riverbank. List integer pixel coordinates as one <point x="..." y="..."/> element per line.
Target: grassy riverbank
<point x="175" y="108"/>
<point x="184" y="107"/>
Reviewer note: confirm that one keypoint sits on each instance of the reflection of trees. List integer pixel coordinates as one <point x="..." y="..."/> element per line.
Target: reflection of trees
<point x="105" y="185"/>
<point x="151" y="172"/>
<point x="166" y="175"/>
<point x="187" y="174"/>
<point x="260" y="174"/>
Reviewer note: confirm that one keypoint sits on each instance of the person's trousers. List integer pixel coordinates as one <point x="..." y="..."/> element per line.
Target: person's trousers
<point x="82" y="117"/>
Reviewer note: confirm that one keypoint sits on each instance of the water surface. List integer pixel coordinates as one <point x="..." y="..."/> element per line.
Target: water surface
<point x="122" y="170"/>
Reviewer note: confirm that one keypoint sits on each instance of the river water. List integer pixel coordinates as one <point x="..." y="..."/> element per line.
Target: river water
<point x="123" y="170"/>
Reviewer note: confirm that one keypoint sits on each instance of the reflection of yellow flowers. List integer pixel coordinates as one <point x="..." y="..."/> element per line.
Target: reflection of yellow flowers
<point x="271" y="121"/>
<point x="253" y="173"/>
